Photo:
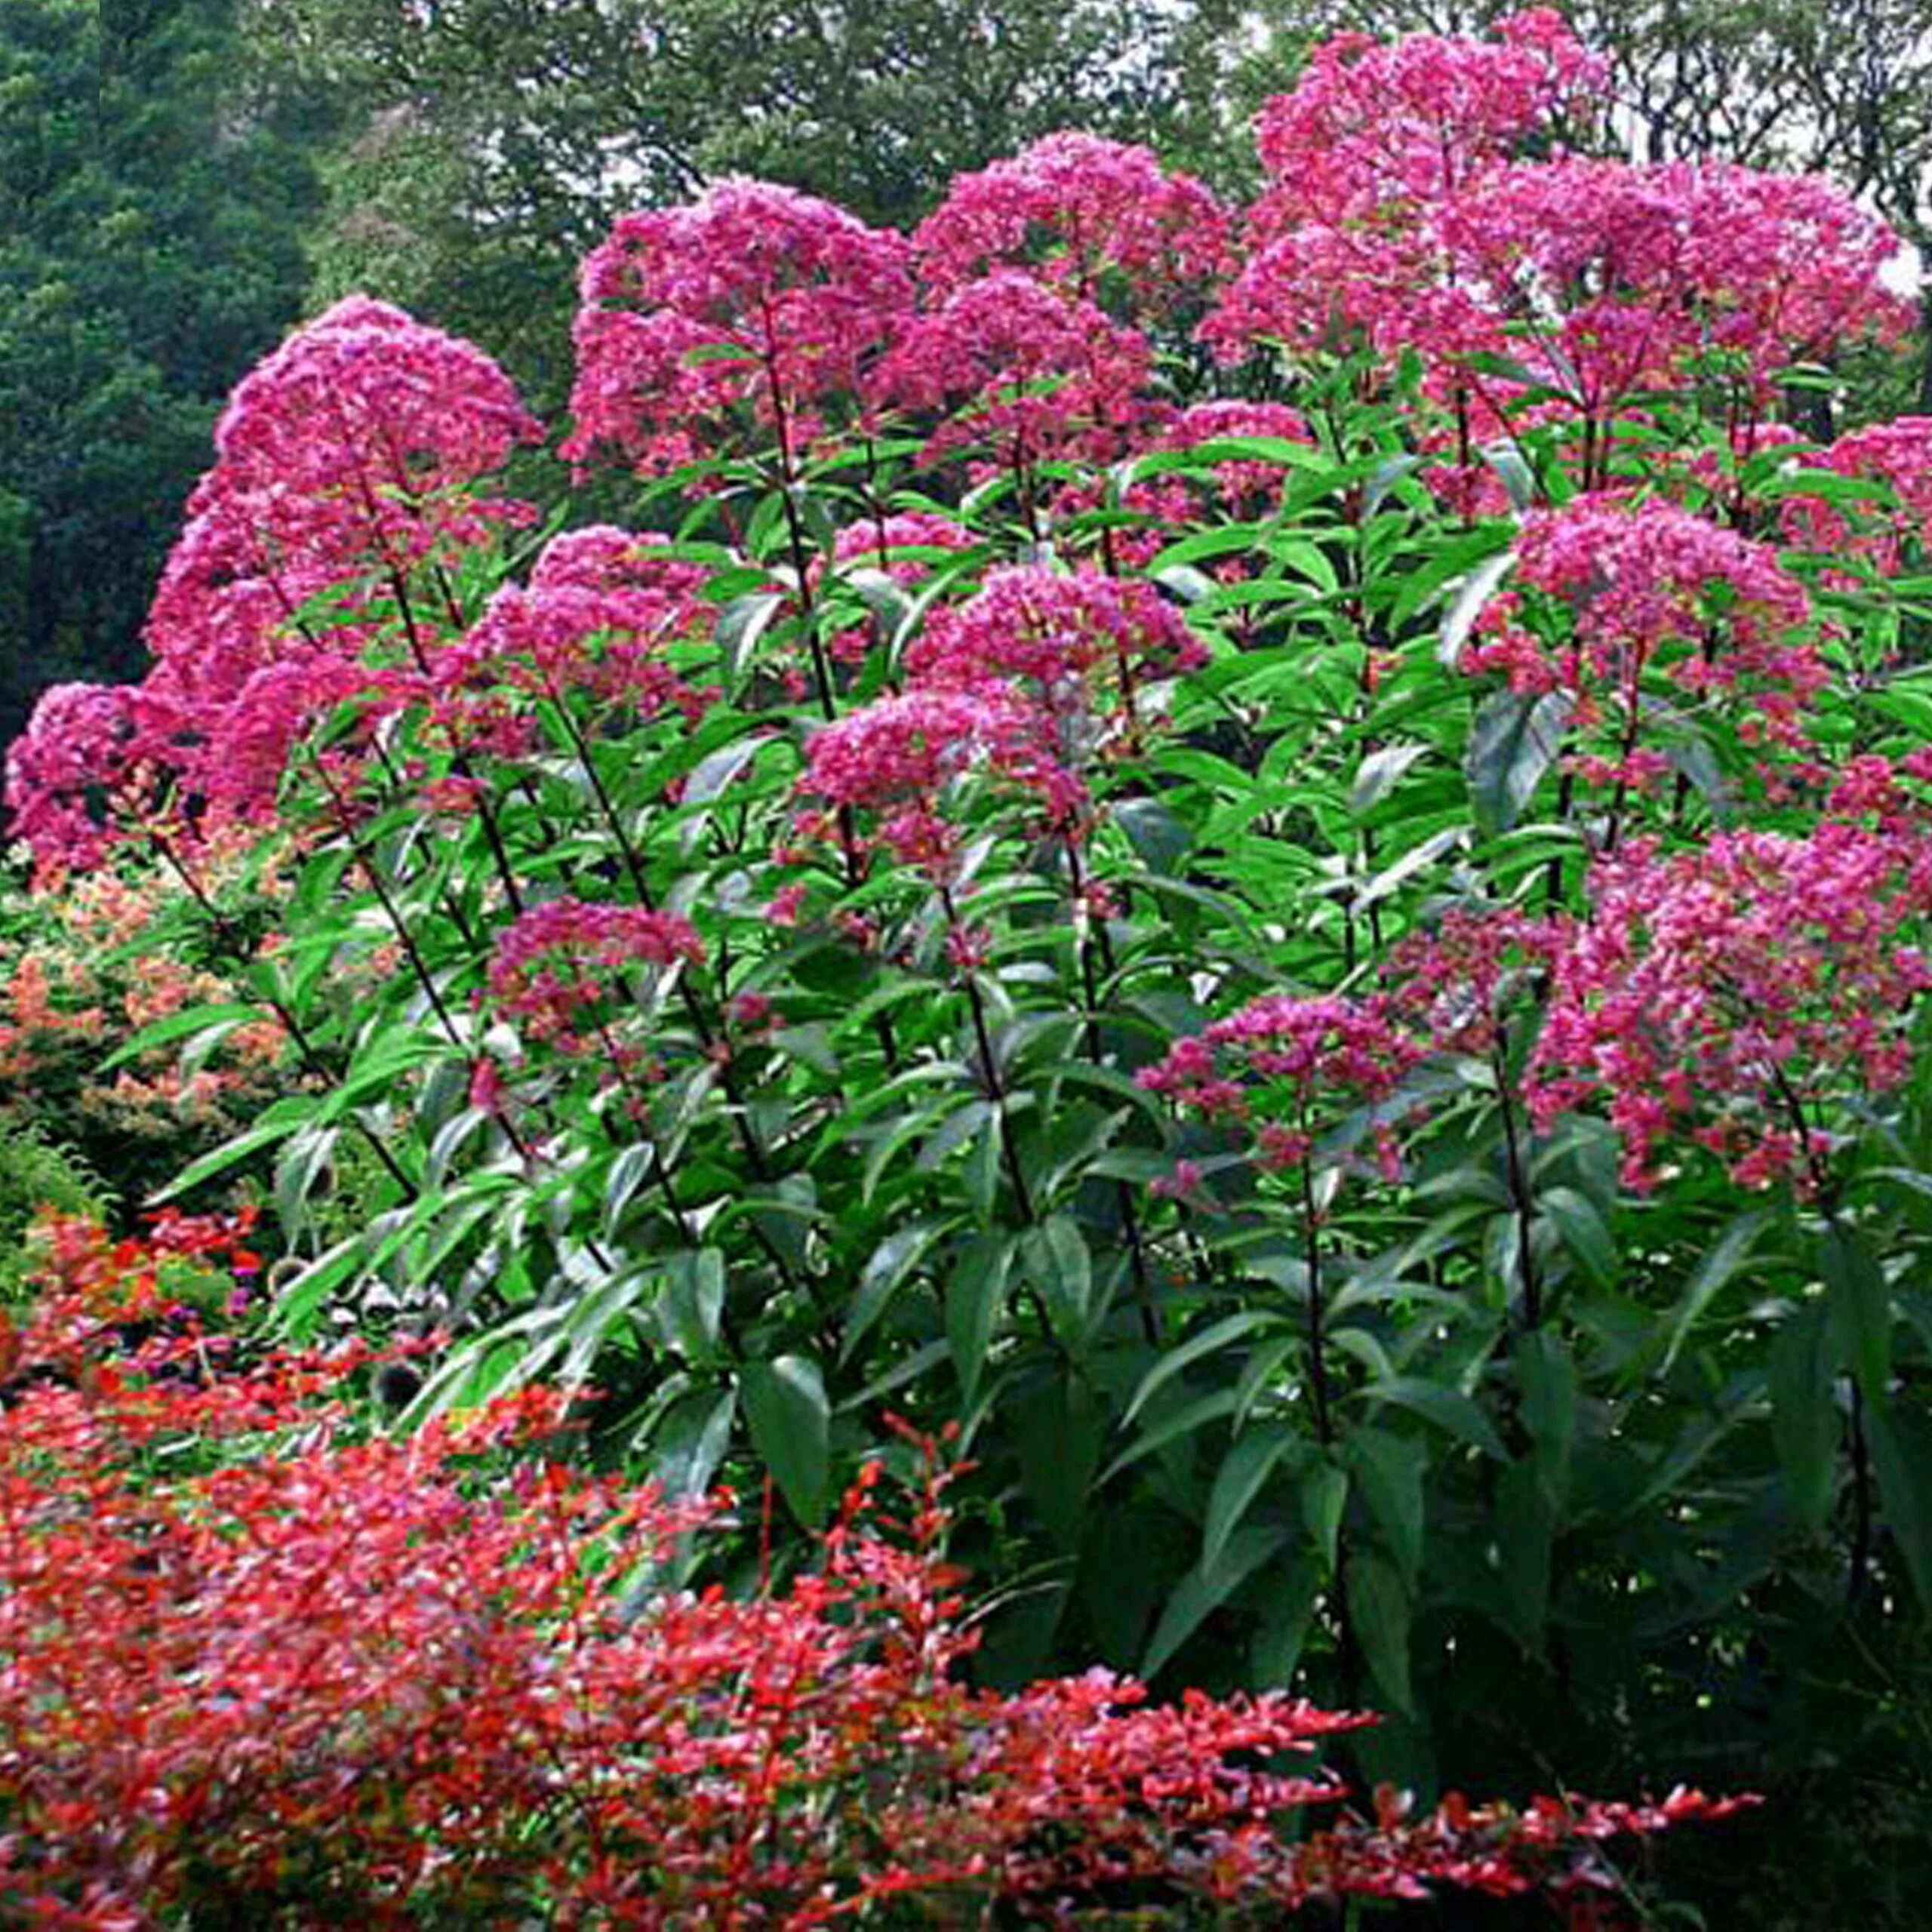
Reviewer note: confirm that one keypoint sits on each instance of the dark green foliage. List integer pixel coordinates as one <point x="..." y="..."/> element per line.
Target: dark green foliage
<point x="148" y="251"/>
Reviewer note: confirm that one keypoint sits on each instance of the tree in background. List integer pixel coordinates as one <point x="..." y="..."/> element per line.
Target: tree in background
<point x="486" y="144"/>
<point x="149" y="249"/>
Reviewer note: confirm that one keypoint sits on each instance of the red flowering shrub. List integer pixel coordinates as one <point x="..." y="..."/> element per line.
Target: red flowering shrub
<point x="319" y="1671"/>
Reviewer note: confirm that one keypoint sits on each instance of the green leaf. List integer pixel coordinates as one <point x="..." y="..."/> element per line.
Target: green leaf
<point x="1584" y="1234"/>
<point x="1901" y="1444"/>
<point x="1286" y="1618"/>
<point x="1861" y="1306"/>
<point x="299" y="1301"/>
<point x="1379" y="1612"/>
<point x="1243" y="1474"/>
<point x="218" y="1020"/>
<point x="1525" y="1534"/>
<point x="1546" y="1384"/>
<point x="790" y="1423"/>
<point x="1719" y="1267"/>
<point x="1058" y="1265"/>
<point x="1204" y="1589"/>
<point x="1513" y="742"/>
<point x="1210" y="1340"/>
<point x="743" y="622"/>
<point x="690" y="1304"/>
<point x="1388" y="1471"/>
<point x="1324" y="1495"/>
<point x="1155" y="833"/>
<point x="1448" y="1409"/>
<point x="281" y="1119"/>
<point x="1476" y="589"/>
<point x="886" y="1268"/>
<point x="1378" y="775"/>
<point x="1057" y="1430"/>
<point x="1804" y="1421"/>
<point x="975" y="1293"/>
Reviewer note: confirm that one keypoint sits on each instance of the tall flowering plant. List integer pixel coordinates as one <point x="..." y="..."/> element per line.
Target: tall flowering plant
<point x="1283" y="875"/>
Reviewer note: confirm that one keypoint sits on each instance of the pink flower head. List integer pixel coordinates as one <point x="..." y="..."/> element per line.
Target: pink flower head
<point x="1368" y="126"/>
<point x="1732" y="995"/>
<point x="1074" y="209"/>
<point x="1027" y="374"/>
<point x="755" y="301"/>
<point x="368" y="403"/>
<point x="1246" y="486"/>
<point x="64" y="770"/>
<point x="1897" y="457"/>
<point x="551" y="966"/>
<point x="1637" y="275"/>
<point x="602" y="607"/>
<point x="1610" y="596"/>
<point x="347" y="459"/>
<point x="895" y="760"/>
<point x="894" y="543"/>
<point x="1297" y="1066"/>
<point x="1083" y="643"/>
<point x="1455" y="986"/>
<point x="1371" y="144"/>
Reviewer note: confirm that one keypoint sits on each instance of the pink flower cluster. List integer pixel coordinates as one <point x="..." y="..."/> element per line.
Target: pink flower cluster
<point x="78" y="751"/>
<point x="1891" y="531"/>
<point x="347" y="463"/>
<point x="1614" y="595"/>
<point x="756" y="302"/>
<point x="602" y="609"/>
<point x="1029" y="679"/>
<point x="1373" y="141"/>
<point x="1456" y="985"/>
<point x="1076" y="209"/>
<point x="1079" y="643"/>
<point x="1021" y="373"/>
<point x="552" y="966"/>
<point x="1608" y="279"/>
<point x="1421" y="199"/>
<point x="895" y="760"/>
<point x="1298" y="1066"/>
<point x="1733" y="994"/>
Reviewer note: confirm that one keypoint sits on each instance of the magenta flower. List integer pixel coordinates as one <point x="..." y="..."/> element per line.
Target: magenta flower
<point x="1080" y="643"/>
<point x="1732" y="994"/>
<point x="1074" y="210"/>
<point x="602" y="608"/>
<point x="1610" y="595"/>
<point x="894" y="761"/>
<point x="555" y="967"/>
<point x="1023" y="373"/>
<point x="1292" y="1069"/>
<point x="755" y="303"/>
<point x="77" y="751"/>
